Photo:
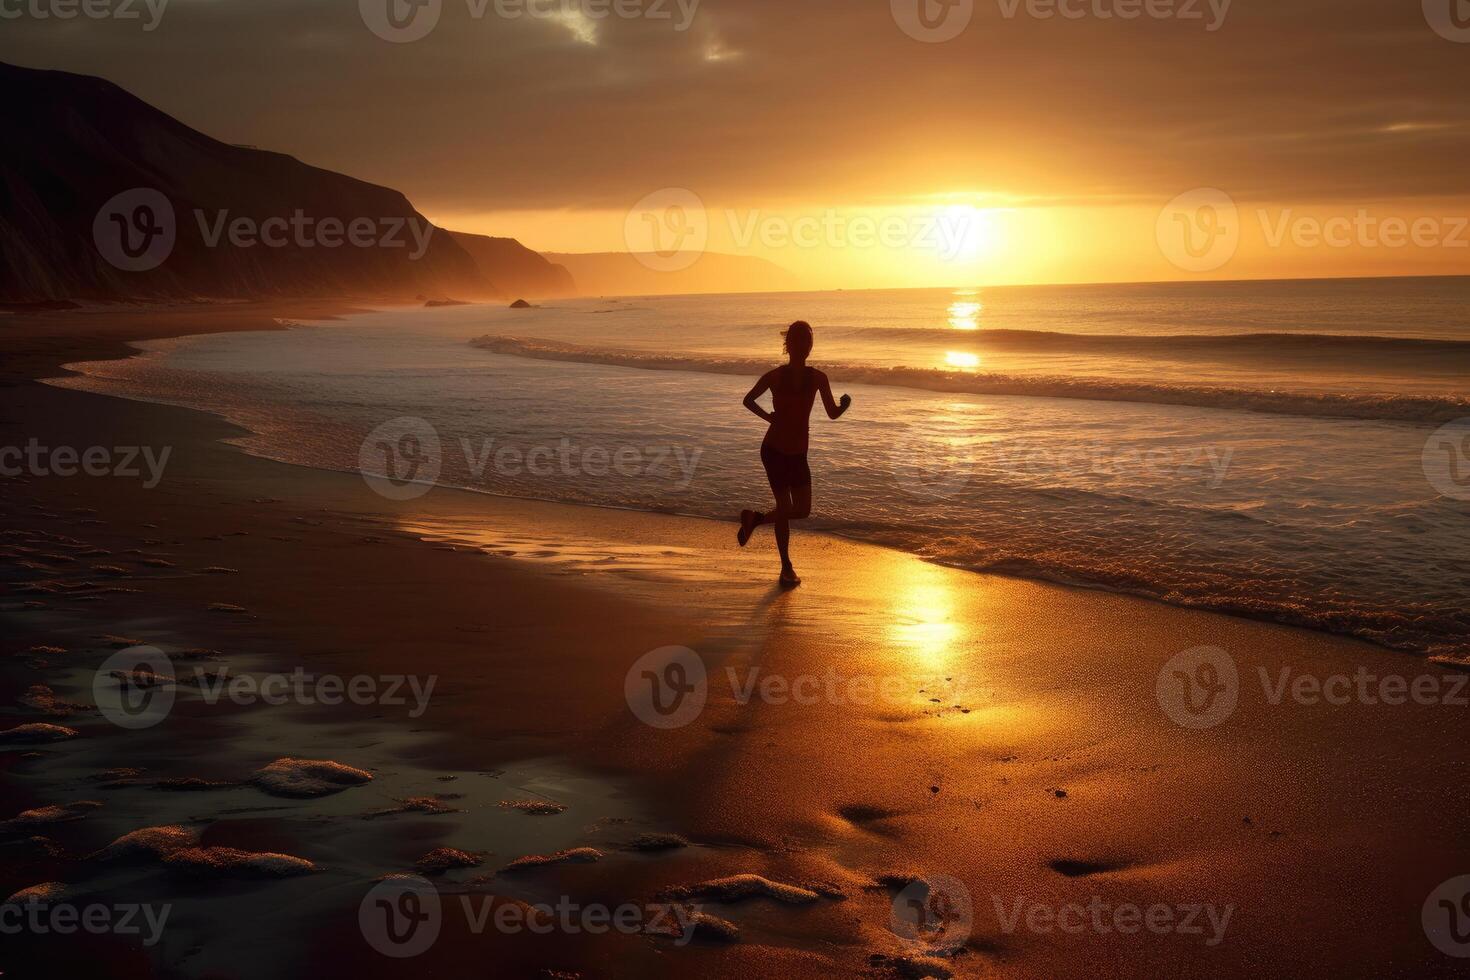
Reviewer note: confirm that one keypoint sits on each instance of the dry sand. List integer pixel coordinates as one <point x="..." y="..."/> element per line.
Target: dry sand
<point x="888" y="723"/>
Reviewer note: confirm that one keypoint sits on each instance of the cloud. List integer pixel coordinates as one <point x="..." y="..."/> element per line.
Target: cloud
<point x="819" y="100"/>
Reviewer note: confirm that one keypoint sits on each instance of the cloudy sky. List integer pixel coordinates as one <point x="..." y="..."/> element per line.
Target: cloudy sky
<point x="1056" y="132"/>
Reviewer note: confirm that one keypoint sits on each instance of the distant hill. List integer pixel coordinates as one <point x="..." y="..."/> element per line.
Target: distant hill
<point x="74" y="143"/>
<point x="515" y="269"/>
<point x="622" y="274"/>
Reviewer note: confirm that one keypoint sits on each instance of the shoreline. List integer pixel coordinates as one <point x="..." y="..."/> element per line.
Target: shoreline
<point x="1374" y="624"/>
<point x="1049" y="772"/>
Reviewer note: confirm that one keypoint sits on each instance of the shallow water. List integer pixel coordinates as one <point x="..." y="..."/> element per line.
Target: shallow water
<point x="1354" y="524"/>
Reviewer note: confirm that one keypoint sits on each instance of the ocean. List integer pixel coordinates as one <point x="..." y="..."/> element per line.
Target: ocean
<point x="1293" y="451"/>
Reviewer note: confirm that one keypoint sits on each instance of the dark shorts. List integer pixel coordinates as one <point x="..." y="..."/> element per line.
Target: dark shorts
<point x="786" y="471"/>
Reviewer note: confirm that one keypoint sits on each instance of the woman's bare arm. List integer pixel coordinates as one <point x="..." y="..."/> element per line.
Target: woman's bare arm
<point x="834" y="408"/>
<point x="761" y="387"/>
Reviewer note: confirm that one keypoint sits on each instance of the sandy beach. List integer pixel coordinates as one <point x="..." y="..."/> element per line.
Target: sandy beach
<point x="889" y="726"/>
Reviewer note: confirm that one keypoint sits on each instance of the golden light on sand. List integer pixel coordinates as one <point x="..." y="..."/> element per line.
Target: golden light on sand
<point x="923" y="625"/>
<point x="962" y="359"/>
<point x="965" y="316"/>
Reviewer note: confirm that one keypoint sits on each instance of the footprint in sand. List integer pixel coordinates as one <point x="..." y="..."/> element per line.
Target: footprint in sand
<point x="575" y="855"/>
<point x="307" y="778"/>
<point x="428" y="805"/>
<point x="535" y="808"/>
<point x="442" y="859"/>
<point x="1085" y="869"/>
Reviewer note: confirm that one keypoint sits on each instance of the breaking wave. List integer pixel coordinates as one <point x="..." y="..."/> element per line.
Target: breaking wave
<point x="1413" y="409"/>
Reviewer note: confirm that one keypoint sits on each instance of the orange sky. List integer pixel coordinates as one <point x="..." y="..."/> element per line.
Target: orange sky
<point x="822" y="136"/>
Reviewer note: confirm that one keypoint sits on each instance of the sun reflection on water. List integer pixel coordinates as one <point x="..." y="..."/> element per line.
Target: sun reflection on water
<point x="965" y="316"/>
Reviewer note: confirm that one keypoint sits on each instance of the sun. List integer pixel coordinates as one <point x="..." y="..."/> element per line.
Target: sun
<point x="966" y="233"/>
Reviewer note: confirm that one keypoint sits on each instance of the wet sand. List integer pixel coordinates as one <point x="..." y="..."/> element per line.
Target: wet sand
<point x="890" y="720"/>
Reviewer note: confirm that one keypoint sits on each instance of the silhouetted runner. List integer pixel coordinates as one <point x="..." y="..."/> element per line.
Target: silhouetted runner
<point x="793" y="388"/>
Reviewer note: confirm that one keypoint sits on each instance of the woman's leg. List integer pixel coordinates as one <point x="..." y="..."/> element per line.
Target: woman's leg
<point x="801" y="503"/>
<point x="779" y="517"/>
